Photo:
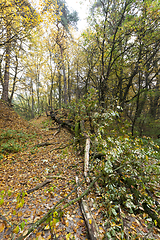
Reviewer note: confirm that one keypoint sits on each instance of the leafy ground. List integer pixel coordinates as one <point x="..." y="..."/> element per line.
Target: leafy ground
<point x="25" y="164"/>
<point x="26" y="169"/>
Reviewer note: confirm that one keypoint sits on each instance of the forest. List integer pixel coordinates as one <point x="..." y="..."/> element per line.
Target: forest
<point x="80" y="120"/>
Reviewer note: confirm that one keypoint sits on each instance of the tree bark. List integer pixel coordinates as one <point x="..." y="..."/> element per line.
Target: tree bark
<point x="7" y="65"/>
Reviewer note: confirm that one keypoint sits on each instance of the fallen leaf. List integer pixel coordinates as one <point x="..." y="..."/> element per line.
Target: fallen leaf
<point x="2" y="227"/>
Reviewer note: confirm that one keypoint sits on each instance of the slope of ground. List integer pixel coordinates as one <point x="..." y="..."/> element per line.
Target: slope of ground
<point x="24" y="170"/>
<point x="9" y="119"/>
<point x="45" y="168"/>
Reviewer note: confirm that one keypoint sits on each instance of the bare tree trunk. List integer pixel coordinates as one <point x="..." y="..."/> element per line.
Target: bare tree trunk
<point x="7" y="66"/>
<point x="60" y="89"/>
<point x="69" y="87"/>
<point x="32" y="94"/>
<point x="77" y="88"/>
<point x="14" y="80"/>
<point x="64" y="75"/>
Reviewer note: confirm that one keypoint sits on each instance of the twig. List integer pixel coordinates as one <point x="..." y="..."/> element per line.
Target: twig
<point x="5" y="219"/>
<point x="38" y="186"/>
<point x="54" y="176"/>
<point x="61" y="147"/>
<point x="44" y="144"/>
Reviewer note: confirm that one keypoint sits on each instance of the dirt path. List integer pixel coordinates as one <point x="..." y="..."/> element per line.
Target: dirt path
<point x="24" y="171"/>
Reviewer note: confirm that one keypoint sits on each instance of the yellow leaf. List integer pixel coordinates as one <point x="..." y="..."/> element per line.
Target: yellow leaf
<point x="20" y="214"/>
<point x="16" y="230"/>
<point x="113" y="224"/>
<point x="2" y="227"/>
<point x="47" y="227"/>
<point x="68" y="236"/>
<point x="90" y="221"/>
<point x="155" y="222"/>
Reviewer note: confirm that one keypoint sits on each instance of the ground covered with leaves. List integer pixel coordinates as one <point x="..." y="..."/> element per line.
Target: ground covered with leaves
<point x="38" y="167"/>
<point x="31" y="165"/>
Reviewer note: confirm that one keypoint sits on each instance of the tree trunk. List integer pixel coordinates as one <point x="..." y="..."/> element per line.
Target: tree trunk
<point x="7" y="66"/>
<point x="60" y="90"/>
<point x="69" y="89"/>
<point x="32" y="95"/>
<point x="64" y="75"/>
<point x="77" y="87"/>
<point x="14" y="80"/>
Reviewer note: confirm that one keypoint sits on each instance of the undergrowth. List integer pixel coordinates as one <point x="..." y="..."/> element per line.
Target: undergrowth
<point x="13" y="141"/>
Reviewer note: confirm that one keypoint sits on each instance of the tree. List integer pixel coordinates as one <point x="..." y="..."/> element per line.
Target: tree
<point x="17" y="20"/>
<point x="63" y="20"/>
<point x="127" y="38"/>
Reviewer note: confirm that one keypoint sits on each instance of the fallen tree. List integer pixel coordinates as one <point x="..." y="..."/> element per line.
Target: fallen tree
<point x="63" y="123"/>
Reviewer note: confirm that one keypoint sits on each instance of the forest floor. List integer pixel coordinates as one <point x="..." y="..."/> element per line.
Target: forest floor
<point x="32" y="166"/>
<point x="55" y="167"/>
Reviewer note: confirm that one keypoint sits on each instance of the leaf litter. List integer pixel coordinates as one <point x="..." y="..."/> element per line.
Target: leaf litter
<point x="24" y="170"/>
<point x="48" y="174"/>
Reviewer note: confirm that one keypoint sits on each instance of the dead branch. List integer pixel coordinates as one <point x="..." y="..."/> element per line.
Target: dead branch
<point x="61" y="147"/>
<point x="5" y="220"/>
<point x="90" y="222"/>
<point x="51" y="128"/>
<point x="54" y="176"/>
<point x="38" y="186"/>
<point x="44" y="144"/>
<point x="56" y="132"/>
<point x="47" y="215"/>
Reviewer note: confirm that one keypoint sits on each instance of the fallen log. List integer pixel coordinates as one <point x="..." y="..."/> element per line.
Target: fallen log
<point x="89" y="220"/>
<point x="86" y="151"/>
<point x="86" y="157"/>
<point x="63" y="123"/>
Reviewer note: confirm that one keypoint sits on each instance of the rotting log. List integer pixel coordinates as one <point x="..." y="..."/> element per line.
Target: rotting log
<point x="61" y="122"/>
<point x="89" y="220"/>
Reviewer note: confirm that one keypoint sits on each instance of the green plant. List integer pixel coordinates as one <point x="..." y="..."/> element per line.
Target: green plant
<point x="2" y="197"/>
<point x="13" y="141"/>
<point x="10" y="147"/>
